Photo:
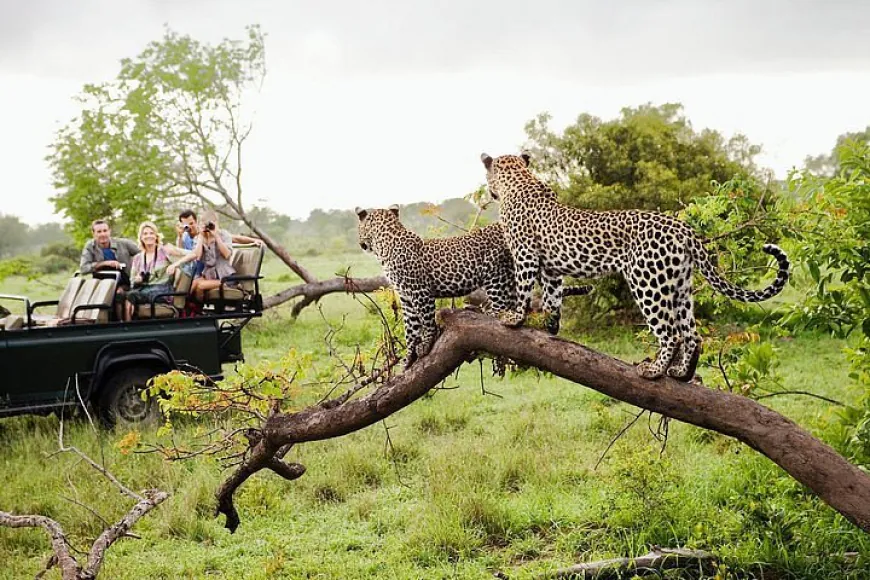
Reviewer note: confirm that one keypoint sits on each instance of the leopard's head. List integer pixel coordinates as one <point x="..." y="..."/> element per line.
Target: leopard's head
<point x="502" y="172"/>
<point x="373" y="223"/>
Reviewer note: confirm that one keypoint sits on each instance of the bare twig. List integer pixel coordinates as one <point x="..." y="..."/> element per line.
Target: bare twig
<point x="803" y="393"/>
<point x="616" y="437"/>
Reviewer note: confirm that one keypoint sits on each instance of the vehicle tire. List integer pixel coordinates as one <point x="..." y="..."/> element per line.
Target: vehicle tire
<point x="120" y="402"/>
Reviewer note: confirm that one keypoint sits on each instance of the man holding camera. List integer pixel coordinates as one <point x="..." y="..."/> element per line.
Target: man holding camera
<point x="187" y="229"/>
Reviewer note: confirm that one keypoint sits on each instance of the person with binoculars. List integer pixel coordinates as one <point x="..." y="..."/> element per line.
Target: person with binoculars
<point x="151" y="271"/>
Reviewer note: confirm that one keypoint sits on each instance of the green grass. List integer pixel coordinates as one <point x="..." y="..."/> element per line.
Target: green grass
<point x="474" y="482"/>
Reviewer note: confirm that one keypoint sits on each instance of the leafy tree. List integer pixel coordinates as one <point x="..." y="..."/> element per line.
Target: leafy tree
<point x="166" y="132"/>
<point x="14" y="235"/>
<point x="835" y="226"/>
<point x="649" y="157"/>
<point x="48" y="233"/>
<point x="828" y="165"/>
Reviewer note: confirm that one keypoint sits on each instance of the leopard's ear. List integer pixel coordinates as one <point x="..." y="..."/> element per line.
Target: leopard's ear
<point x="361" y="213"/>
<point x="487" y="160"/>
<point x="526" y="157"/>
<point x="395" y="209"/>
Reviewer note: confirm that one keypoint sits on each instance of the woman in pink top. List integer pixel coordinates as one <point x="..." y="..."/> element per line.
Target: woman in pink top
<point x="151" y="272"/>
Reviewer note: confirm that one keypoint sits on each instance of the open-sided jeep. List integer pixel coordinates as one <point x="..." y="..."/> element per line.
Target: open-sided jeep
<point x="78" y="354"/>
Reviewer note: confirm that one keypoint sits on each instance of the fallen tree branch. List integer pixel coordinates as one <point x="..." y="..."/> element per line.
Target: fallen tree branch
<point x="313" y="291"/>
<point x="70" y="568"/>
<point x="650" y="564"/>
<point x="811" y="462"/>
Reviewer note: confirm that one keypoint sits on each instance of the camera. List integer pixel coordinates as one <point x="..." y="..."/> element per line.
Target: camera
<point x="210" y="226"/>
<point x="145" y="277"/>
<point x="186" y="227"/>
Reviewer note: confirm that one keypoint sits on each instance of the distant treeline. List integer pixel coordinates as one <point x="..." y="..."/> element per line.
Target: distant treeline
<point x="323" y="231"/>
<point x="16" y="237"/>
<point x="327" y="231"/>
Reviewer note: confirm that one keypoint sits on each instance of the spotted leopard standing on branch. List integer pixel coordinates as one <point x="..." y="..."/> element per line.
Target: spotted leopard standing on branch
<point x="655" y="253"/>
<point x="422" y="270"/>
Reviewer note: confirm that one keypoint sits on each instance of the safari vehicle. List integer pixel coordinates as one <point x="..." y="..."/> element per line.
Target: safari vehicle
<point x="78" y="355"/>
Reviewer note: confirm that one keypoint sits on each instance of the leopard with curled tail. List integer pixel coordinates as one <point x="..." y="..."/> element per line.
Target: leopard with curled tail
<point x="654" y="252"/>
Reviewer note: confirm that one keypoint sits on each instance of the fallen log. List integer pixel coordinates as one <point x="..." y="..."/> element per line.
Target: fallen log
<point x="650" y="564"/>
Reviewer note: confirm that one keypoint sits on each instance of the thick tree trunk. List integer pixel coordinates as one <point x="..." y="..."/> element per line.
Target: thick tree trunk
<point x="810" y="461"/>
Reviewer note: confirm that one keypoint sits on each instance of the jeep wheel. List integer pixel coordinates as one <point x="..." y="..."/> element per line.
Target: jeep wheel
<point x="121" y="400"/>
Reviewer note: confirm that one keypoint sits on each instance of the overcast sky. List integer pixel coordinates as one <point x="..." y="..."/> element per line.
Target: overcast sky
<point x="390" y="101"/>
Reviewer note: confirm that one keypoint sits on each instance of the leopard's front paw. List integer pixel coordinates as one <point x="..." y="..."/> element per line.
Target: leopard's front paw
<point x="511" y="318"/>
<point x="647" y="370"/>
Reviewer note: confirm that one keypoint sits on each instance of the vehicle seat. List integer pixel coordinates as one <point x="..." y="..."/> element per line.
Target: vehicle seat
<point x="83" y="296"/>
<point x="103" y="295"/>
<point x="12" y="322"/>
<point x="247" y="261"/>
<point x="181" y="288"/>
<point x="64" y="304"/>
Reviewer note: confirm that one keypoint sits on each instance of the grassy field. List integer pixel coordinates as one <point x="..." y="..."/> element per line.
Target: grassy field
<point x="473" y="483"/>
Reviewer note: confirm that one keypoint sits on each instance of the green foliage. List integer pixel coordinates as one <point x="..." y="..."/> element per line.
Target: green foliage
<point x="61" y="250"/>
<point x="15" y="267"/>
<point x="738" y="218"/>
<point x="835" y="226"/>
<point x="52" y="259"/>
<point x="13" y="234"/>
<point x="828" y="165"/>
<point x="161" y="129"/>
<point x="650" y="157"/>
<point x="835" y="223"/>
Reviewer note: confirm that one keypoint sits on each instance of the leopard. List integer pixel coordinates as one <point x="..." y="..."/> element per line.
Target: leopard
<point x="421" y="270"/>
<point x="654" y="252"/>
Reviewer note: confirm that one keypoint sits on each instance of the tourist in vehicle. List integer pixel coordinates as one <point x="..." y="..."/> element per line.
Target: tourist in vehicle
<point x="152" y="271"/>
<point x="104" y="252"/>
<point x="187" y="229"/>
<point x="213" y="247"/>
<point x="186" y="232"/>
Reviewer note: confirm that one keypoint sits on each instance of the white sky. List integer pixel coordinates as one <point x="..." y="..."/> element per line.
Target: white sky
<point x="390" y="101"/>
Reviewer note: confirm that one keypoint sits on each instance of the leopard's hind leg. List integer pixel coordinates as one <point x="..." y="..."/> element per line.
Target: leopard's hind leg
<point x="654" y="294"/>
<point x="501" y="291"/>
<point x="551" y="300"/>
<point x="686" y="361"/>
<point x="420" y="329"/>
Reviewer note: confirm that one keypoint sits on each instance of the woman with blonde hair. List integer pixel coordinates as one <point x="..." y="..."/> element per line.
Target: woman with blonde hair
<point x="151" y="272"/>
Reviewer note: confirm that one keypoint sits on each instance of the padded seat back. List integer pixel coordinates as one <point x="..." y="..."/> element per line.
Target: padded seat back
<point x="104" y="295"/>
<point x="83" y="296"/>
<point x="182" y="283"/>
<point x="12" y="322"/>
<point x="247" y="260"/>
<point x="64" y="304"/>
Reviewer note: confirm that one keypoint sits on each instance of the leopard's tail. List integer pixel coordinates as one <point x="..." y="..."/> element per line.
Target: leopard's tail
<point x="702" y="260"/>
<point x="574" y="290"/>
